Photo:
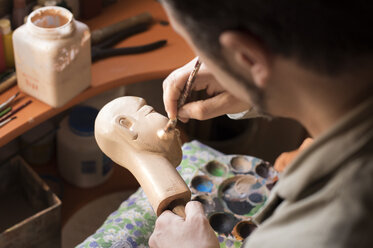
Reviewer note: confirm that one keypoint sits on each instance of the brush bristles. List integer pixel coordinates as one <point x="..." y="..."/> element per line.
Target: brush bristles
<point x="171" y="124"/>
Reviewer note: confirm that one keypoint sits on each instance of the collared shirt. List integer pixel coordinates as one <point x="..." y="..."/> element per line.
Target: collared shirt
<point x="325" y="197"/>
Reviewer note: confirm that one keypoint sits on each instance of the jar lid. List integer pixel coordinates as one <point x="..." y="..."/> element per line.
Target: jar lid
<point x="82" y="120"/>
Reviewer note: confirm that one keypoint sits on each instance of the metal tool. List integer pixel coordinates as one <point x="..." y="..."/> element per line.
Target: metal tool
<point x="99" y="35"/>
<point x="103" y="49"/>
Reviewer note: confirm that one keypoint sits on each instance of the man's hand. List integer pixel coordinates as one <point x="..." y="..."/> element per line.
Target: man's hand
<point x="220" y="102"/>
<point x="287" y="157"/>
<point x="195" y="231"/>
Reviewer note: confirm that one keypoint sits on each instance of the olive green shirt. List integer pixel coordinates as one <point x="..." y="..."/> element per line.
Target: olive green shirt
<point x="325" y="197"/>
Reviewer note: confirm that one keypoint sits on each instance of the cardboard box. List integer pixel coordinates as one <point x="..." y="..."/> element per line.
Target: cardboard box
<point x="30" y="213"/>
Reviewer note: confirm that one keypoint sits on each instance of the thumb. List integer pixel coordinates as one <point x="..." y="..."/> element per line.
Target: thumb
<point x="193" y="208"/>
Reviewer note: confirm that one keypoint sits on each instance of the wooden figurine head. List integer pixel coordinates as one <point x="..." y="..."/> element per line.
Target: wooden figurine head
<point x="126" y="131"/>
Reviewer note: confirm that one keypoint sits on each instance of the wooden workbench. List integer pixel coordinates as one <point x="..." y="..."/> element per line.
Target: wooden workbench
<point x="112" y="72"/>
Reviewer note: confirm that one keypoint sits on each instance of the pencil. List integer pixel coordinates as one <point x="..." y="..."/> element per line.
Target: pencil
<point x="11" y="113"/>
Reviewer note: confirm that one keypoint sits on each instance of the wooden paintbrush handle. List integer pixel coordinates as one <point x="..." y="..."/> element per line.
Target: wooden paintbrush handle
<point x="188" y="86"/>
<point x="178" y="207"/>
<point x="179" y="210"/>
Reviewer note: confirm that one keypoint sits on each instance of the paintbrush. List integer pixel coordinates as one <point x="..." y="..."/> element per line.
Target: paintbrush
<point x="7" y="102"/>
<point x="3" y="123"/>
<point x="171" y="124"/>
<point x="11" y="113"/>
<point x="5" y="111"/>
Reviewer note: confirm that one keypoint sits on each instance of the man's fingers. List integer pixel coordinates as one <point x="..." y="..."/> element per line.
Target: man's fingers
<point x="163" y="221"/>
<point x="192" y="209"/>
<point x="287" y="157"/>
<point x="153" y="241"/>
<point x="201" y="110"/>
<point x="306" y="143"/>
<point x="173" y="86"/>
<point x="183" y="120"/>
<point x="166" y="218"/>
<point x="283" y="160"/>
<point x="218" y="105"/>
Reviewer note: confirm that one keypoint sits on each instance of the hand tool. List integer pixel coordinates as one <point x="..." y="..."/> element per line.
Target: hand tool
<point x="11" y="113"/>
<point x="102" y="34"/>
<point x="184" y="95"/>
<point x="7" y="102"/>
<point x="102" y="50"/>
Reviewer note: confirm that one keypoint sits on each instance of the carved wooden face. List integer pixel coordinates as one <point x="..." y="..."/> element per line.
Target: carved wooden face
<point x="129" y="122"/>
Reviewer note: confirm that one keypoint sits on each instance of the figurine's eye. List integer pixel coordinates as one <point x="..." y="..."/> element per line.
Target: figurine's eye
<point x="125" y="122"/>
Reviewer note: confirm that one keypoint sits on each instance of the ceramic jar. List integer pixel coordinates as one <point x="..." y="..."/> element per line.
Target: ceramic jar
<point x="53" y="56"/>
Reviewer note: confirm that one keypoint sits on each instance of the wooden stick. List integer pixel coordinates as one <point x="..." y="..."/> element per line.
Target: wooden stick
<point x="179" y="210"/>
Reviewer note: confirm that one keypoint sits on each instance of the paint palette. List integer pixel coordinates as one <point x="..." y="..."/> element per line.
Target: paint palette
<point x="232" y="189"/>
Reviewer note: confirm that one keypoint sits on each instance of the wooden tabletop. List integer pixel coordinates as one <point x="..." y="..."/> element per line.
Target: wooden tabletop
<point x="112" y="72"/>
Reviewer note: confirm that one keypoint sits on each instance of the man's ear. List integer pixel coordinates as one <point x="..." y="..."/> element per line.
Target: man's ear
<point x="248" y="55"/>
<point x="125" y="125"/>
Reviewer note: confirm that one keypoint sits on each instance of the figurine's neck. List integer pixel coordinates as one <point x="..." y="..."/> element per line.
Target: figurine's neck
<point x="159" y="179"/>
<point x="146" y="159"/>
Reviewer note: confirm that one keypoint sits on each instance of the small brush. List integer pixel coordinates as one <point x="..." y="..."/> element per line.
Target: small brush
<point x="171" y="124"/>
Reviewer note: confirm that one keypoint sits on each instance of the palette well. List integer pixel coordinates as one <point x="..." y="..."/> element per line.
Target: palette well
<point x="232" y="189"/>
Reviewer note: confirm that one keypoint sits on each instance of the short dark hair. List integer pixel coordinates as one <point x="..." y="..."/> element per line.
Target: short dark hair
<point x="324" y="35"/>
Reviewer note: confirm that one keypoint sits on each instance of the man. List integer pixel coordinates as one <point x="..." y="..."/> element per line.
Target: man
<point x="307" y="60"/>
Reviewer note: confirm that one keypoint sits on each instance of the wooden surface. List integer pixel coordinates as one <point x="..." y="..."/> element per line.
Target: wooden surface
<point x="112" y="72"/>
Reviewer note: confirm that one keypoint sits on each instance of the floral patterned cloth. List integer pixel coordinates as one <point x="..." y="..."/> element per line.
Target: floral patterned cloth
<point x="132" y="224"/>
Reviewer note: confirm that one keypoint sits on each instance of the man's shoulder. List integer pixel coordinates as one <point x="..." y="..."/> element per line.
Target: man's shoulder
<point x="335" y="212"/>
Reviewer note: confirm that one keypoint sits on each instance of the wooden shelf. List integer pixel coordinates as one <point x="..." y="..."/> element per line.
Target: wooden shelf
<point x="112" y="72"/>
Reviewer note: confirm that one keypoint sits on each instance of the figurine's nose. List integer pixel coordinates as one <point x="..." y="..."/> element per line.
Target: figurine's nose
<point x="145" y="110"/>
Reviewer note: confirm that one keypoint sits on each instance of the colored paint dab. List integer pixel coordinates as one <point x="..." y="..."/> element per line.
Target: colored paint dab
<point x="205" y="186"/>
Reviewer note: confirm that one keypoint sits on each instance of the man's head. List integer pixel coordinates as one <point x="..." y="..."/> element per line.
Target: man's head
<point x="126" y="127"/>
<point x="325" y="37"/>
